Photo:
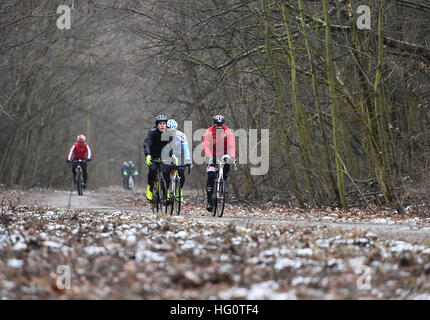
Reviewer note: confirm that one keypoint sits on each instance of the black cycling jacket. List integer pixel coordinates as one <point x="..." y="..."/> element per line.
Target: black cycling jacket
<point x="153" y="144"/>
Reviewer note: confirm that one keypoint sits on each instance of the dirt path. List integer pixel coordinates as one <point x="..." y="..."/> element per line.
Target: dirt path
<point x="65" y="199"/>
<point x="107" y="200"/>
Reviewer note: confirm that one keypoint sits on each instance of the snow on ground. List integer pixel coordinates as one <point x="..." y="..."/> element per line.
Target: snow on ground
<point x="134" y="254"/>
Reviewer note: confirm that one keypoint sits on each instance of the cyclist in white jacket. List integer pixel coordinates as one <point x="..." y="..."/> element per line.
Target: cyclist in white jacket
<point x="178" y="146"/>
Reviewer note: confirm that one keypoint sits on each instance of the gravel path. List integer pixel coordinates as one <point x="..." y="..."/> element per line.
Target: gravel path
<point x="105" y="200"/>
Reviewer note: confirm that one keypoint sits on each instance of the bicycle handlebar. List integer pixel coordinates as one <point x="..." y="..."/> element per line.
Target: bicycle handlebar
<point x="158" y="160"/>
<point x="79" y="160"/>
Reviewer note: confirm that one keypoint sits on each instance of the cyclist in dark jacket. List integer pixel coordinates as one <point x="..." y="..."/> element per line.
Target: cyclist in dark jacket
<point x="152" y="146"/>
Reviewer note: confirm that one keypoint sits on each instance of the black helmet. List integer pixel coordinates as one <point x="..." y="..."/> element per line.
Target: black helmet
<point x="160" y="118"/>
<point x="218" y="120"/>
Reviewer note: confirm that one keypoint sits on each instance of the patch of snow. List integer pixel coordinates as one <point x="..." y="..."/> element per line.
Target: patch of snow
<point x="421" y="296"/>
<point x="131" y="239"/>
<point x="149" y="256"/>
<point x="181" y="234"/>
<point x="300" y="280"/>
<point x="382" y="221"/>
<point x="8" y="285"/>
<point x="304" y="252"/>
<point x="52" y="244"/>
<point x="50" y="213"/>
<point x="15" y="263"/>
<point x="400" y="246"/>
<point x="267" y="290"/>
<point x="237" y="240"/>
<point x="94" y="250"/>
<point x="19" y="246"/>
<point x="231" y="293"/>
<point x="224" y="258"/>
<point x="322" y="243"/>
<point x="286" y="262"/>
<point x="105" y="235"/>
<point x="189" y="244"/>
<point x="356" y="263"/>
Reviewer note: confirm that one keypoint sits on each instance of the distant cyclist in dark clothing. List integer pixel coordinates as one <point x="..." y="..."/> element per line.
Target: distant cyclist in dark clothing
<point x="152" y="146"/>
<point x="128" y="169"/>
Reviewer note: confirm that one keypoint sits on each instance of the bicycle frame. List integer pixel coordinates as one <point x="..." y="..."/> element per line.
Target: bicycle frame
<point x="157" y="202"/>
<point x="219" y="178"/>
<point x="220" y="183"/>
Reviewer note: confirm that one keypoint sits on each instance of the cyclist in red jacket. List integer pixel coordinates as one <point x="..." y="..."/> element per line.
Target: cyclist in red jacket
<point x="218" y="142"/>
<point x="80" y="150"/>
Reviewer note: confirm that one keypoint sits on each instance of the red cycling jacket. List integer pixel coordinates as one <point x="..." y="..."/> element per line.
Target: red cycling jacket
<point x="226" y="143"/>
<point x="78" y="152"/>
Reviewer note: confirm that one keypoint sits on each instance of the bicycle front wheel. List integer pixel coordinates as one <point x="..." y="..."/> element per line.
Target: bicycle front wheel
<point x="130" y="183"/>
<point x="177" y="199"/>
<point x="156" y="203"/>
<point x="215" y="199"/>
<point x="163" y="195"/>
<point x="172" y="203"/>
<point x="221" y="199"/>
<point x="79" y="182"/>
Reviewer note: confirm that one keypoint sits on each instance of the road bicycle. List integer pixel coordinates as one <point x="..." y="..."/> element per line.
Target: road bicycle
<point x="158" y="190"/>
<point x="220" y="195"/>
<point x="174" y="189"/>
<point x="79" y="175"/>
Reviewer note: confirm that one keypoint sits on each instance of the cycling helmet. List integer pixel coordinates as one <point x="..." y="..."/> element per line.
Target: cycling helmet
<point x="218" y="120"/>
<point x="160" y="118"/>
<point x="125" y="164"/>
<point x="81" y="138"/>
<point x="172" y="124"/>
<point x="131" y="163"/>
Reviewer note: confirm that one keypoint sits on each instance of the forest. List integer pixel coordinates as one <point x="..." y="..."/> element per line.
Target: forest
<point x="342" y="86"/>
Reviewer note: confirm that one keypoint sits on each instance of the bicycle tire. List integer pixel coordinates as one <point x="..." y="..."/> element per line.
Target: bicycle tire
<point x="176" y="199"/>
<point x="172" y="196"/>
<point x="163" y="195"/>
<point x="222" y="199"/>
<point x="155" y="197"/>
<point x="178" y="195"/>
<point x="79" y="182"/>
<point x="215" y="198"/>
<point x="130" y="183"/>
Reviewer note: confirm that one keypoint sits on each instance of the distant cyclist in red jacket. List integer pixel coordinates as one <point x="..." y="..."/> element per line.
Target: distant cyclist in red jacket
<point x="80" y="150"/>
<point x="218" y="142"/>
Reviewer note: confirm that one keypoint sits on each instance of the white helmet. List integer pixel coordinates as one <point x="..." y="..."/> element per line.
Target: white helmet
<point x="172" y="124"/>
